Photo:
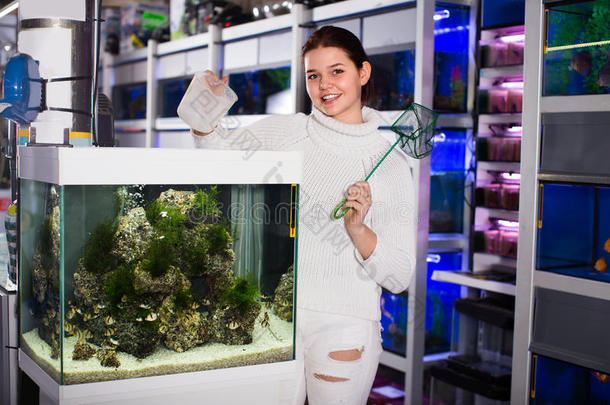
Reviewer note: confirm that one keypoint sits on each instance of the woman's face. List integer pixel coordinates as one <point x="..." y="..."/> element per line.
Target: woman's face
<point x="334" y="83"/>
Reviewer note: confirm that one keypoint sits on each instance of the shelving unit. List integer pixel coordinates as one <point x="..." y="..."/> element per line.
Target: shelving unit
<point x="492" y="274"/>
<point x="539" y="292"/>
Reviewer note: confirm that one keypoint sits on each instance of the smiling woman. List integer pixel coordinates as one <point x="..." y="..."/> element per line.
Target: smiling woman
<point x="341" y="264"/>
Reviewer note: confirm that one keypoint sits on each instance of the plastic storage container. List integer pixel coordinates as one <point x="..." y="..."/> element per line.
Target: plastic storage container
<point x="202" y="106"/>
<point x="140" y="262"/>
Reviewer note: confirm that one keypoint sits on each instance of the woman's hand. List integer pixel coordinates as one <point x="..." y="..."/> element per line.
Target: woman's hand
<point x="217" y="86"/>
<point x="359" y="200"/>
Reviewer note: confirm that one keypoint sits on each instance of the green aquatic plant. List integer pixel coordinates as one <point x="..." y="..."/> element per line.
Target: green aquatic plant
<point x="242" y="294"/>
<point x="97" y="257"/>
<point x="160" y="254"/>
<point x="218" y="238"/>
<point x="205" y="205"/>
<point x="120" y="283"/>
<point x="164" y="218"/>
<point x="183" y="300"/>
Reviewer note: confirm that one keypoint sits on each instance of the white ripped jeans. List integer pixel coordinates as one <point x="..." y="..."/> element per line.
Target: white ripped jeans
<point x="329" y="381"/>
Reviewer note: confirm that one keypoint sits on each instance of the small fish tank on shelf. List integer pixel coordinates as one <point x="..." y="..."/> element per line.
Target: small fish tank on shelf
<point x="579" y="214"/>
<point x="577" y="48"/>
<point x="439" y="305"/>
<point x="561" y="383"/>
<point x="149" y="262"/>
<point x="451" y="47"/>
<point x="265" y="91"/>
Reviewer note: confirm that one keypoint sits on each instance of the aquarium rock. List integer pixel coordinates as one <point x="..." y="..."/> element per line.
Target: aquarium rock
<point x="83" y="351"/>
<point x="182" y="200"/>
<point x="132" y="235"/>
<point x="234" y="327"/>
<point x="108" y="358"/>
<point x="171" y="282"/>
<point x="88" y="287"/>
<point x="283" y="297"/>
<point x="136" y="338"/>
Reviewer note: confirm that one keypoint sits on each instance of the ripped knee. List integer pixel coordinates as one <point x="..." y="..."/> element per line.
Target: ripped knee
<point x="346" y="355"/>
<point x="329" y="378"/>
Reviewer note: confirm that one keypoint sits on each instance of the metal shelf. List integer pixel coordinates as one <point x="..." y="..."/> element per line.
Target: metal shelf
<point x="501" y="71"/>
<point x="484" y="261"/>
<point x="500" y="213"/>
<point x="574" y="178"/>
<point x="499" y="166"/>
<point x="574" y="285"/>
<point x="183" y="44"/>
<point x="581" y="103"/>
<point x="393" y="360"/>
<point x="257" y="27"/>
<point x="136" y="55"/>
<point x="350" y="8"/>
<point x="130" y="125"/>
<point x="499" y="118"/>
<point x="466" y="279"/>
<point x="446" y="241"/>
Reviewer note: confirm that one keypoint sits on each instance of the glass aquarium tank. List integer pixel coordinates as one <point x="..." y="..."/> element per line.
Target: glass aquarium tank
<point x="580" y="215"/>
<point x="137" y="262"/>
<point x="265" y="91"/>
<point x="129" y="101"/>
<point x="439" y="306"/>
<point x="449" y="152"/>
<point x="448" y="180"/>
<point x="393" y="80"/>
<point x="577" y="48"/>
<point x="559" y="383"/>
<point x="451" y="47"/>
<point x="447" y="202"/>
<point x="171" y="92"/>
<point x="440" y="297"/>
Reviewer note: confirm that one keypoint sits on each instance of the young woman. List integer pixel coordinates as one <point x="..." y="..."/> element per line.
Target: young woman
<point x="342" y="264"/>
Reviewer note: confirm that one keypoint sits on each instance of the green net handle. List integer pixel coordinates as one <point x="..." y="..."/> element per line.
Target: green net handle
<point x="336" y="213"/>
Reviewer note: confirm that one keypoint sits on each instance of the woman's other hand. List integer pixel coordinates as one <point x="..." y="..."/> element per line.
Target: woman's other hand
<point x="217" y="86"/>
<point x="359" y="200"/>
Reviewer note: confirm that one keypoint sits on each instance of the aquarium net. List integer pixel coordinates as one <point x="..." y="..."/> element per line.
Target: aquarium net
<point x="416" y="128"/>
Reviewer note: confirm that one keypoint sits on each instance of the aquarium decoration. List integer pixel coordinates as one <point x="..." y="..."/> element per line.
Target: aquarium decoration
<point x="155" y="275"/>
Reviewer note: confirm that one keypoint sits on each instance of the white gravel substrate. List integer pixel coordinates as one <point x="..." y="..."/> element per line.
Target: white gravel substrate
<point x="264" y="349"/>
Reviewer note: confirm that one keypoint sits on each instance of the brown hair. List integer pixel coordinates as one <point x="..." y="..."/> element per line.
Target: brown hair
<point x="330" y="36"/>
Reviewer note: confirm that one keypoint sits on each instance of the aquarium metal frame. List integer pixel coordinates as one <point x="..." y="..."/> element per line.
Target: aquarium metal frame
<point x="528" y="277"/>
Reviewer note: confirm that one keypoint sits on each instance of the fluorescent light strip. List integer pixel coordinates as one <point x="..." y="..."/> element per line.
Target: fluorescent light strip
<point x="512" y="38"/>
<point x="9" y="9"/>
<point x="511" y="85"/>
<point x="564" y="47"/>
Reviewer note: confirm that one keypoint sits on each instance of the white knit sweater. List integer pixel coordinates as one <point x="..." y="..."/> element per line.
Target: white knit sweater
<point x="331" y="274"/>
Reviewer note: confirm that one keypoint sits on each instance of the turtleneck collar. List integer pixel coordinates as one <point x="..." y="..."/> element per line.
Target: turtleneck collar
<point x="338" y="136"/>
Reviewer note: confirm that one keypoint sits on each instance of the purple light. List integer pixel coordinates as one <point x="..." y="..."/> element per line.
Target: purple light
<point x="511" y="85"/>
<point x="508" y="224"/>
<point x="512" y="38"/>
<point x="511" y="176"/>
